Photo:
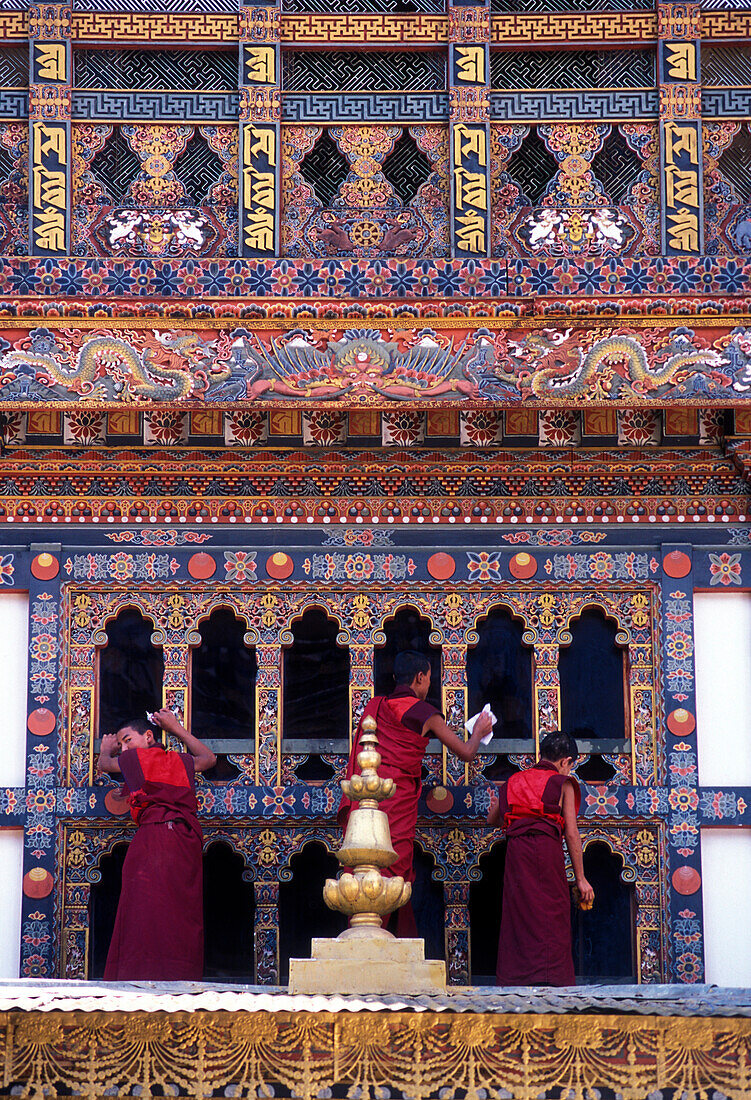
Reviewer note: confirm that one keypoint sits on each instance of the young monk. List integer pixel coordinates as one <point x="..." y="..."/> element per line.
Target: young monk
<point x="158" y="934"/>
<point x="405" y="721"/>
<point x="538" y="807"/>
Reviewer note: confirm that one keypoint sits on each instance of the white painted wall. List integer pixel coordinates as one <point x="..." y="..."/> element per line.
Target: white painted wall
<point x="722" y="640"/>
<point x="11" y="873"/>
<point x="726" y="874"/>
<point x="14" y="660"/>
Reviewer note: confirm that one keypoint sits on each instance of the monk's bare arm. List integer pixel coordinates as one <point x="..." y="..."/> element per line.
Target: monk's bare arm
<point x="108" y="753"/>
<point x="465" y="750"/>
<point x="203" y="757"/>
<point x="573" y="842"/>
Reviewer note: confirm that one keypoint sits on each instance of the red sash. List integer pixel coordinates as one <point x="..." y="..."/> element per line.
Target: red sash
<point x="160" y="782"/>
<point x="536" y="792"/>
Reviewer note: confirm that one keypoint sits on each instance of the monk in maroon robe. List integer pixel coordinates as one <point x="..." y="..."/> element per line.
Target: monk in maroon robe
<point x="538" y="807"/>
<point x="404" y="723"/>
<point x="158" y="934"/>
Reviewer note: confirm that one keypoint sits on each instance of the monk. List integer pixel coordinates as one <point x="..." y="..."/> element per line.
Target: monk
<point x="158" y="934"/>
<point x="405" y="721"/>
<point x="538" y="807"/>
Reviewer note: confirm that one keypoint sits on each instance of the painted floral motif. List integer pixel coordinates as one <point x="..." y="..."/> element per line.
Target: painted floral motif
<point x="245" y="429"/>
<point x="480" y="429"/>
<point x="7" y="569"/>
<point x="554" y="536"/>
<point x="600" y="566"/>
<point x="155" y="536"/>
<point x="725" y="569"/>
<point x="240" y="565"/>
<point x="717" y="805"/>
<point x="165" y="428"/>
<point x="359" y="536"/>
<point x="121" y="567"/>
<point x="559" y="428"/>
<point x="483" y="566"/>
<point x="323" y="428"/>
<point x="402" y="429"/>
<point x="638" y="428"/>
<point x="359" y="567"/>
<point x="600" y="802"/>
<point x="85" y="427"/>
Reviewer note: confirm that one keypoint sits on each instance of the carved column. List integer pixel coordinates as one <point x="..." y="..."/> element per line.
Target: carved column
<point x="679" y="30"/>
<point x="268" y="691"/>
<point x="469" y="87"/>
<point x="50" y="66"/>
<point x="455" y="704"/>
<point x="259" y="163"/>
<point x="456" y="900"/>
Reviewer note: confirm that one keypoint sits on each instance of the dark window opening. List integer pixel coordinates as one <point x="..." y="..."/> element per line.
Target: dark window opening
<point x="325" y="169"/>
<point x="592" y="672"/>
<point x="406" y="168"/>
<point x="223" y="681"/>
<point x="603" y="936"/>
<point x="229" y="914"/>
<point x="131" y="671"/>
<point x="499" y="672"/>
<point x="115" y="166"/>
<point x="532" y="168"/>
<point x="428" y="906"/>
<point x="595" y="770"/>
<point x="407" y="630"/>
<point x="303" y="913"/>
<point x="316" y="706"/>
<point x="314" y="770"/>
<point x="103" y="902"/>
<point x="485" y="915"/>
<point x="617" y="166"/>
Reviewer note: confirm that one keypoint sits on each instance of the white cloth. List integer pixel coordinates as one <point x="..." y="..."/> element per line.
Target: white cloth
<point x="469" y="725"/>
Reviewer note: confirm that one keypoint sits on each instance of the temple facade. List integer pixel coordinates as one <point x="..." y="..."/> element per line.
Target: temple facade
<point x="328" y="331"/>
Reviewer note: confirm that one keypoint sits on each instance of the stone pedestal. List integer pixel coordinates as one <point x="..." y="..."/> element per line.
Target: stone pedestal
<point x="377" y="964"/>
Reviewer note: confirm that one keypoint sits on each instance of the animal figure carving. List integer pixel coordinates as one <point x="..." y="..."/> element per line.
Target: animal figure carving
<point x="109" y="368"/>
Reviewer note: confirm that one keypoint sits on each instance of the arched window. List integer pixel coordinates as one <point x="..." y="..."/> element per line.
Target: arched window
<point x="103" y="902"/>
<point x="131" y="671"/>
<point x="316" y="708"/>
<point x="228" y="913"/>
<point x="303" y="913"/>
<point x="485" y="897"/>
<point x="499" y="672"/>
<point x="604" y="935"/>
<point x="407" y="630"/>
<point x="593" y="676"/>
<point x="223" y="682"/>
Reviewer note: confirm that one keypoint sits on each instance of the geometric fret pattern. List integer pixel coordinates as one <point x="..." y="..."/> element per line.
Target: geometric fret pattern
<point x="342" y="71"/>
<point x="572" y="68"/>
<point x="194" y="69"/>
<point x="617" y="166"/>
<point x="14" y="67"/>
<point x="726" y="66"/>
<point x="735" y="164"/>
<point x="532" y="168"/>
<point x="580" y="5"/>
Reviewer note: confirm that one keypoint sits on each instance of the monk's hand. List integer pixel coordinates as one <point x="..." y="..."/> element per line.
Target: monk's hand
<point x="167" y="721"/>
<point x="109" y="749"/>
<point x="586" y="893"/>
<point x="483" y="726"/>
<point x="110" y="746"/>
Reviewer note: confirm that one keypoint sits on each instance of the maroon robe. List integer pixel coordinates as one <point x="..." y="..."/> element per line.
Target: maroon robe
<point x="399" y="721"/>
<point x="158" y="934"/>
<point x="534" y="947"/>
